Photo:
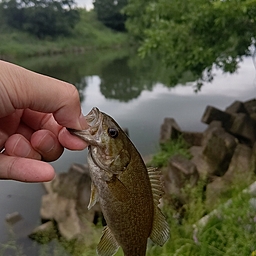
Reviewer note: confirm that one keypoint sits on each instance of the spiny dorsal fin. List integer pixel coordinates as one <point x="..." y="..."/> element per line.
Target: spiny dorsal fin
<point x="156" y="186"/>
<point x="160" y="229"/>
<point x="94" y="196"/>
<point x="108" y="244"/>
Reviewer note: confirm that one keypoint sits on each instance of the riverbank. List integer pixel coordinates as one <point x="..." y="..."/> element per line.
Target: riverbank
<point x="88" y="34"/>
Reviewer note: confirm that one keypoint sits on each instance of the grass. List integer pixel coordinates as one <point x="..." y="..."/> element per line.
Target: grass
<point x="232" y="231"/>
<point x="88" y="34"/>
<point x="170" y="148"/>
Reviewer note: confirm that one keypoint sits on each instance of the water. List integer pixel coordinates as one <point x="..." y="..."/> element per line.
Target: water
<point x="134" y="93"/>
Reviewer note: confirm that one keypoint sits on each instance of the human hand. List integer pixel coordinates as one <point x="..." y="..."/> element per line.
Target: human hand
<point x="34" y="111"/>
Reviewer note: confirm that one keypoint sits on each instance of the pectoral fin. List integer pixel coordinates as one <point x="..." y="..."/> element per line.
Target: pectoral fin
<point x="118" y="189"/>
<point x="94" y="196"/>
<point x="108" y="244"/>
<point x="160" y="229"/>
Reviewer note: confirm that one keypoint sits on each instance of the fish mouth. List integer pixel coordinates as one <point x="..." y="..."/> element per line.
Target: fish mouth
<point x="92" y="134"/>
<point x="93" y="117"/>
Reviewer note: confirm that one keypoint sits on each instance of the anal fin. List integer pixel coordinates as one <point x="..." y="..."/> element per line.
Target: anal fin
<point x="108" y="244"/>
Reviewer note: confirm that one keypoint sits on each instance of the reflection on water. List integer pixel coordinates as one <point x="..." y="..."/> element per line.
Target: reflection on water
<point x="134" y="92"/>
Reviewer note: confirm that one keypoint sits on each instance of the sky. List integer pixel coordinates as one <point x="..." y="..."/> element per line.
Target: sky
<point x="85" y="3"/>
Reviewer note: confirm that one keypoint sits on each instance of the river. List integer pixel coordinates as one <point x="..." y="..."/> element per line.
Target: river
<point x="132" y="91"/>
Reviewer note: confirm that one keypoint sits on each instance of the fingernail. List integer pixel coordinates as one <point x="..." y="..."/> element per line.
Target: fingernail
<point x="83" y="123"/>
<point x="22" y="148"/>
<point x="46" y="144"/>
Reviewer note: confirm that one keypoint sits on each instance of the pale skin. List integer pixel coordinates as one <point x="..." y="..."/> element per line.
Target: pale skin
<point x="34" y="113"/>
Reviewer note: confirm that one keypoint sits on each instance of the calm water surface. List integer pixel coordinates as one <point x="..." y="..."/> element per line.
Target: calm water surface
<point x="134" y="93"/>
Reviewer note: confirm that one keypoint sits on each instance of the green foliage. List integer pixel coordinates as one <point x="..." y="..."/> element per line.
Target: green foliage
<point x="88" y="34"/>
<point x="169" y="149"/>
<point x="194" y="35"/>
<point x="109" y="12"/>
<point x="230" y="231"/>
<point x="41" y="17"/>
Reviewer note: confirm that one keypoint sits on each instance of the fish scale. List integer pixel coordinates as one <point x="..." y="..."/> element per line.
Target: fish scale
<point x="127" y="191"/>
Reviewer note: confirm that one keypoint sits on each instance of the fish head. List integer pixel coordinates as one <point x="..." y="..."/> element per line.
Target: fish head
<point x="108" y="143"/>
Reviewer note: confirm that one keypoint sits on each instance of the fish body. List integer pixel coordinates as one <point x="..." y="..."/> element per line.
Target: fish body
<point x="127" y="191"/>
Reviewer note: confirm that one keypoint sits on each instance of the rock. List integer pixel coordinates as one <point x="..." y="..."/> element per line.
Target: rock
<point x="48" y="207"/>
<point x="214" y="190"/>
<point x="213" y="126"/>
<point x="169" y="130"/>
<point x="193" y="138"/>
<point x="180" y="171"/>
<point x="252" y="203"/>
<point x="48" y="186"/>
<point x="244" y="128"/>
<point x="238" y="124"/>
<point x="239" y="167"/>
<point x="218" y="149"/>
<point x="253" y="159"/>
<point x="67" y="201"/>
<point x="251" y="190"/>
<point x="214" y="114"/>
<point x="200" y="161"/>
<point x="44" y="233"/>
<point x="13" y="218"/>
<point x="253" y="116"/>
<point x="236" y="107"/>
<point x="69" y="224"/>
<point x="250" y="106"/>
<point x="68" y="184"/>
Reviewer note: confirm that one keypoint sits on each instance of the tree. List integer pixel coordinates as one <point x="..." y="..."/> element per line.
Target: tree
<point x="109" y="12"/>
<point x="194" y="35"/>
<point x="41" y="17"/>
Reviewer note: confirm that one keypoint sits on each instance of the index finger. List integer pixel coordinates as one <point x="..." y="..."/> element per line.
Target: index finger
<point x="21" y="88"/>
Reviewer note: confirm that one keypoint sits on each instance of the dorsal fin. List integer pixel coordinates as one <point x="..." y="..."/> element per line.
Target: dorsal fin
<point x="108" y="244"/>
<point x="160" y="232"/>
<point x="160" y="228"/>
<point x="156" y="185"/>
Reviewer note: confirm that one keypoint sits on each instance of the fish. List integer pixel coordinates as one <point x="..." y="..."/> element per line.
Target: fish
<point x="128" y="192"/>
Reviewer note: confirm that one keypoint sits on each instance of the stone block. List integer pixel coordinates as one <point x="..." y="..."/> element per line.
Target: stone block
<point x="169" y="130"/>
<point x="217" y="150"/>
<point x="213" y="126"/>
<point x="239" y="167"/>
<point x="13" y="217"/>
<point x="214" y="190"/>
<point x="180" y="171"/>
<point x="200" y="162"/>
<point x="250" y="106"/>
<point x="67" y="200"/>
<point x="214" y="114"/>
<point x="244" y="128"/>
<point x="236" y="107"/>
<point x="193" y="138"/>
<point x="253" y="159"/>
<point x="44" y="233"/>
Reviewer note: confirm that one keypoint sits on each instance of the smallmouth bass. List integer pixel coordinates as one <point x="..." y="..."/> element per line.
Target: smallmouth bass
<point x="127" y="191"/>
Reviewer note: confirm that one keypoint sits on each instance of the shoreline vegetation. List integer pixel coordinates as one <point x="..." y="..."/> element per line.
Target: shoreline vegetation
<point x="88" y="34"/>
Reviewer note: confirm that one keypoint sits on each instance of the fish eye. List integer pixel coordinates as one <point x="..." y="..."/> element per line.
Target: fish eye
<point x="113" y="132"/>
